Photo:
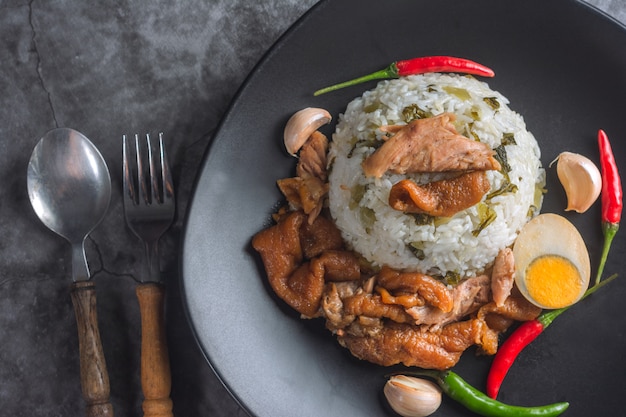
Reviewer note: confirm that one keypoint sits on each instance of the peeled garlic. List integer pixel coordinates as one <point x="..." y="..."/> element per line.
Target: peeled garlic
<point x="301" y="125"/>
<point x="412" y="397"/>
<point x="580" y="178"/>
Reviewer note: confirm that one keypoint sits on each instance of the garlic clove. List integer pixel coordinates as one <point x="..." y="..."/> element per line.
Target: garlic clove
<point x="412" y="397"/>
<point x="580" y="179"/>
<point x="301" y="125"/>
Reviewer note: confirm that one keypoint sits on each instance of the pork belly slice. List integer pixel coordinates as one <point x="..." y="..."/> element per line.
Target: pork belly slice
<point x="442" y="198"/>
<point x="397" y="343"/>
<point x="297" y="280"/>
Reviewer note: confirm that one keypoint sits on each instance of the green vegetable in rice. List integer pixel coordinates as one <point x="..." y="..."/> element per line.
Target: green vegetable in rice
<point x="452" y="278"/>
<point x="372" y="107"/>
<point x="356" y="195"/>
<point x="368" y="217"/>
<point x="414" y="112"/>
<point x="507" y="187"/>
<point x="508" y="139"/>
<point x="418" y="250"/>
<point x="492" y="102"/>
<point x="486" y="215"/>
<point x="422" y="219"/>
<point x="501" y="157"/>
<point x="461" y="93"/>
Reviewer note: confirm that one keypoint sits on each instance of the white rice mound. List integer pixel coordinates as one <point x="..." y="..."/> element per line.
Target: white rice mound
<point x="456" y="246"/>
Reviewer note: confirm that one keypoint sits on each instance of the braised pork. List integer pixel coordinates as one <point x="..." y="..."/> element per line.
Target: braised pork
<point x="467" y="297"/>
<point x="429" y="145"/>
<point x="431" y="290"/>
<point x="313" y="157"/>
<point x="442" y="198"/>
<point x="297" y="280"/>
<point x="410" y="345"/>
<point x="307" y="190"/>
<point x="503" y="276"/>
<point x="391" y="316"/>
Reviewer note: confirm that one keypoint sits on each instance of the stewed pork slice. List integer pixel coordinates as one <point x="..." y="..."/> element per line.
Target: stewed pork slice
<point x="313" y="157"/>
<point x="332" y="304"/>
<point x="433" y="291"/>
<point x="429" y="145"/>
<point x="307" y="190"/>
<point x="467" y="297"/>
<point x="442" y="198"/>
<point x="410" y="345"/>
<point x="372" y="305"/>
<point x="441" y="346"/>
<point x="387" y="318"/>
<point x="498" y="319"/>
<point x="306" y="194"/>
<point x="319" y="237"/>
<point x="297" y="280"/>
<point x="503" y="276"/>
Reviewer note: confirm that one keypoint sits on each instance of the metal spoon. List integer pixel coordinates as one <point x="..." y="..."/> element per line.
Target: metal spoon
<point x="70" y="189"/>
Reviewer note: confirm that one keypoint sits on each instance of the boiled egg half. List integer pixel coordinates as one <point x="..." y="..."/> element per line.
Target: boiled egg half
<point x="552" y="267"/>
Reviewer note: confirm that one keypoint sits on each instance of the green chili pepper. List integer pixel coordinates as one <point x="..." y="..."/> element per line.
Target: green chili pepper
<point x="459" y="390"/>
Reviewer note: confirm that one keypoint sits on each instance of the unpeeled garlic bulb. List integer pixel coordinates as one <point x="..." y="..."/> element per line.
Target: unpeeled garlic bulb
<point x="580" y="178"/>
<point x="412" y="397"/>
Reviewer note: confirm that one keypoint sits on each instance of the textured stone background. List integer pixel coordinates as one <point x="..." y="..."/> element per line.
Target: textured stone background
<point x="109" y="68"/>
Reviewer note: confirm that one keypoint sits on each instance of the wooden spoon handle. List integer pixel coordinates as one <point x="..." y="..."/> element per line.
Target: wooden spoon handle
<point x="156" y="379"/>
<point x="94" y="378"/>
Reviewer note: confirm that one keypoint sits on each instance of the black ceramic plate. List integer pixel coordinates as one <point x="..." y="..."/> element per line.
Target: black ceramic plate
<point x="561" y="63"/>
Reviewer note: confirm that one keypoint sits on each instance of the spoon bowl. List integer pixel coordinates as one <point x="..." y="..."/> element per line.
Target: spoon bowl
<point x="69" y="187"/>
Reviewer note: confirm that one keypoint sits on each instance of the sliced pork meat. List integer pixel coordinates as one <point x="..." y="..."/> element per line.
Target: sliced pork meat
<point x="389" y="317"/>
<point x="332" y="306"/>
<point x="337" y="266"/>
<point x="308" y="189"/>
<point x="439" y="343"/>
<point x="467" y="297"/>
<point x="297" y="281"/>
<point x="306" y="194"/>
<point x="503" y="276"/>
<point x="313" y="157"/>
<point x="281" y="252"/>
<point x="372" y="306"/>
<point x="499" y="319"/>
<point x="319" y="237"/>
<point x="429" y="145"/>
<point x="442" y="198"/>
<point x="409" y="345"/>
<point x="404" y="299"/>
<point x="515" y="308"/>
<point x="434" y="292"/>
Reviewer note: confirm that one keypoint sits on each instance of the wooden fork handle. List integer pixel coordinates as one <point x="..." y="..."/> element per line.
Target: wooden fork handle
<point x="156" y="379"/>
<point x="94" y="378"/>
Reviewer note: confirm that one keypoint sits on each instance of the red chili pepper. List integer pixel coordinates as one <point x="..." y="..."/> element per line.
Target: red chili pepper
<point x="520" y="338"/>
<point x="611" y="197"/>
<point x="516" y="342"/>
<point x="417" y="66"/>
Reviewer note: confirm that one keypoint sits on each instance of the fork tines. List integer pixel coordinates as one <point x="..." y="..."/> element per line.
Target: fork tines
<point x="156" y="172"/>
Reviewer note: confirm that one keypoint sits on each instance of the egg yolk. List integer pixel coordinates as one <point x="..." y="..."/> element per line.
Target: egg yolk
<point x="553" y="281"/>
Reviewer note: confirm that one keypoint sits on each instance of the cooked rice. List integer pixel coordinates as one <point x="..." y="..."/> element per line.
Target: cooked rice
<point x="384" y="236"/>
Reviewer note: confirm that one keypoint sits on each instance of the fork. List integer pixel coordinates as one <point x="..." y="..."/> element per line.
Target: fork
<point x="149" y="210"/>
